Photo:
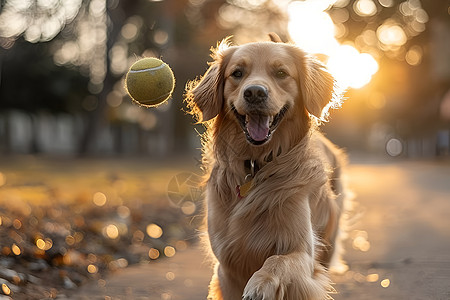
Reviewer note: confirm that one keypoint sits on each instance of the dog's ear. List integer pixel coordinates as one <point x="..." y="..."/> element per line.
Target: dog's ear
<point x="317" y="86"/>
<point x="205" y="96"/>
<point x="275" y="38"/>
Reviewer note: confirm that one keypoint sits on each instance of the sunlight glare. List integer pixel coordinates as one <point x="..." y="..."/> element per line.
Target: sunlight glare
<point x="312" y="29"/>
<point x="309" y="21"/>
<point x="351" y="68"/>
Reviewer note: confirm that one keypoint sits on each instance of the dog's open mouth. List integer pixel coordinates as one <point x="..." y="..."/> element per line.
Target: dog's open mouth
<point x="258" y="128"/>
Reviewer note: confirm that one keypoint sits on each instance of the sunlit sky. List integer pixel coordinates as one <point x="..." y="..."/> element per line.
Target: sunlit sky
<point x="311" y="27"/>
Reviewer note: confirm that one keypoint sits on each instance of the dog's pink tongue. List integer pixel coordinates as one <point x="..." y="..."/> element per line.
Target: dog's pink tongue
<point x="258" y="127"/>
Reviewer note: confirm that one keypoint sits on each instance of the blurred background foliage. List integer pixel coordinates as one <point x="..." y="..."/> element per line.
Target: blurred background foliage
<point x="62" y="65"/>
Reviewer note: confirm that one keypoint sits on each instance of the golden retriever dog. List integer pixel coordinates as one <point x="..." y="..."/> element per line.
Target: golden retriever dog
<point x="273" y="189"/>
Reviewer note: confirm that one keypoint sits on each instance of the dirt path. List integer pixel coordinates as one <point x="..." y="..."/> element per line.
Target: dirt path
<point x="399" y="247"/>
<point x="184" y="276"/>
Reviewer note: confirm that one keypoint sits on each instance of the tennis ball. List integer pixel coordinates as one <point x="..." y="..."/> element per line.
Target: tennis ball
<point x="150" y="81"/>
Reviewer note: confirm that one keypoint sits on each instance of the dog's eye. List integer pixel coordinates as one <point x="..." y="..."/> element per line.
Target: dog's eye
<point x="237" y="74"/>
<point x="281" y="74"/>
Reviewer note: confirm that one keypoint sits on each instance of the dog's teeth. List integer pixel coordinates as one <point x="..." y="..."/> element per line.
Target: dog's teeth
<point x="270" y="120"/>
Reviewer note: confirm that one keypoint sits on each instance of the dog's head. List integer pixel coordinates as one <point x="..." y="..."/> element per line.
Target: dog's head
<point x="262" y="85"/>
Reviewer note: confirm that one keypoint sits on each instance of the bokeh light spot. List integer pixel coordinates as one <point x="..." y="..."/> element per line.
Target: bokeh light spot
<point x="414" y="56"/>
<point x="181" y="245"/>
<point x="391" y="34"/>
<point x="17" y="224"/>
<point x="161" y="37"/>
<point x="123" y="212"/>
<point x="153" y="253"/>
<point x="129" y="31"/>
<point x="92" y="269"/>
<point x="5" y="289"/>
<point x="394" y="147"/>
<point x="360" y="241"/>
<point x="188" y="283"/>
<point x="99" y="199"/>
<point x="188" y="207"/>
<point x="365" y="8"/>
<point x="386" y="3"/>
<point x="92" y="258"/>
<point x="6" y="250"/>
<point x="154" y="231"/>
<point x="114" y="99"/>
<point x="359" y="277"/>
<point x="70" y="240"/>
<point x="166" y="296"/>
<point x="170" y="276"/>
<point x="78" y="236"/>
<point x="169" y="251"/>
<point x="372" y="277"/>
<point x="15" y="249"/>
<point x="101" y="283"/>
<point x="138" y="236"/>
<point x="111" y="231"/>
<point x="385" y="283"/>
<point x="40" y="244"/>
<point x="122" y="262"/>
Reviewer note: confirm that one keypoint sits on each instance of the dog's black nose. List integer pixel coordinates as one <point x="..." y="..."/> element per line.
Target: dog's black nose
<point x="256" y="93"/>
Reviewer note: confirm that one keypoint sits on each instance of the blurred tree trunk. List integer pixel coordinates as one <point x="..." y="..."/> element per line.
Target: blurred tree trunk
<point x="115" y="17"/>
<point x="97" y="118"/>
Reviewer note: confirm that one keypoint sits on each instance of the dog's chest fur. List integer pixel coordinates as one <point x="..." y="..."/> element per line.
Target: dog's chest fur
<point x="246" y="231"/>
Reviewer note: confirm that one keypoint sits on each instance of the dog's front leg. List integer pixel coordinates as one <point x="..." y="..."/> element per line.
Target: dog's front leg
<point x="293" y="276"/>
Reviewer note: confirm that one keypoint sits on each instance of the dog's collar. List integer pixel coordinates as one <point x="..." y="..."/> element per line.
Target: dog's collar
<point x="251" y="167"/>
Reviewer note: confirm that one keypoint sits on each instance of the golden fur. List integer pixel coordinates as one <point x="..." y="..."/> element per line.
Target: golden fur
<point x="277" y="241"/>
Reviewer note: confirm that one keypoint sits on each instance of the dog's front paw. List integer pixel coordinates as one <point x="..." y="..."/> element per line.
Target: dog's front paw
<point x="263" y="286"/>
